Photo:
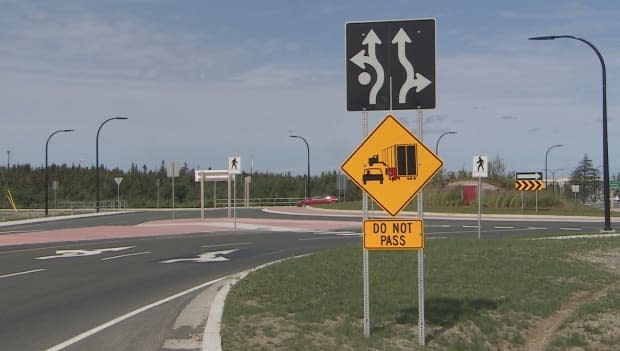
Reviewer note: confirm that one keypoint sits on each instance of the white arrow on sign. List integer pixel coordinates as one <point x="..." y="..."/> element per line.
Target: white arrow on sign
<point x="529" y="176"/>
<point x="413" y="80"/>
<point x="80" y="253"/>
<point x="215" y="256"/>
<point x="361" y="59"/>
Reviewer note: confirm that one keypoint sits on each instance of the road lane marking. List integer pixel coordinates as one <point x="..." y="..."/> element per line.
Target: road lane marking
<point x="81" y="253"/>
<point x="126" y="316"/>
<point x="537" y="228"/>
<point x="216" y="256"/>
<point x="573" y="229"/>
<point x="126" y="255"/>
<point x="21" y="273"/>
<point x="329" y="237"/>
<point x="500" y="227"/>
<point x="469" y="226"/>
<point x="231" y="244"/>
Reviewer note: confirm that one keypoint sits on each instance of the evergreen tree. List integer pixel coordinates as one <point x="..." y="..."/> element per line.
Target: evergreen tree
<point x="586" y="176"/>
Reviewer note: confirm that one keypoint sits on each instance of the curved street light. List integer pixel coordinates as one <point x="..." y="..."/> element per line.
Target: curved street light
<point x="307" y="195"/>
<point x="606" y="193"/>
<point x="438" y="139"/>
<point x="46" y="177"/>
<point x="546" y="158"/>
<point x="97" y="159"/>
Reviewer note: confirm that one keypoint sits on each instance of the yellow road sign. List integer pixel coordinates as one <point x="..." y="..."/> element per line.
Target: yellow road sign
<point x="391" y="165"/>
<point x="394" y="234"/>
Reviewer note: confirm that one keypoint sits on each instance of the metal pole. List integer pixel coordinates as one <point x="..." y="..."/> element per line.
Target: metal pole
<point x="438" y="139"/>
<point x="202" y="195"/>
<point x="606" y="192"/>
<point x="365" y="258"/>
<point x="479" y="205"/>
<point x="46" y="176"/>
<point x="307" y="195"/>
<point x="546" y="158"/>
<point x="421" y="326"/>
<point x="97" y="160"/>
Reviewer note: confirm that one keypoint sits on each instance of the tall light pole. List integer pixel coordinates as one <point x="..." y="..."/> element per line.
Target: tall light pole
<point x="605" y="144"/>
<point x="46" y="177"/>
<point x="97" y="159"/>
<point x="438" y="139"/>
<point x="308" y="152"/>
<point x="546" y="158"/>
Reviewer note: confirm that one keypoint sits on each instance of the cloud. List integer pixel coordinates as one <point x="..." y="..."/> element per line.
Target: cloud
<point x="508" y="118"/>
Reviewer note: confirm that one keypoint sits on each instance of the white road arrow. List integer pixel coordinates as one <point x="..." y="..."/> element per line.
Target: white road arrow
<point x="361" y="59"/>
<point x="80" y="253"/>
<point x="413" y="80"/>
<point x="215" y="256"/>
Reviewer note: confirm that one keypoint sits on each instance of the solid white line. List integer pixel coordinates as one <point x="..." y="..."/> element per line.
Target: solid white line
<point x="329" y="237"/>
<point x="574" y="229"/>
<point x="126" y="255"/>
<point x="20" y="273"/>
<point x="117" y="320"/>
<point x="231" y="244"/>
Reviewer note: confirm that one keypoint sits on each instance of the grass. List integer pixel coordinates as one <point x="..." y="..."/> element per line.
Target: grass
<point x="480" y="295"/>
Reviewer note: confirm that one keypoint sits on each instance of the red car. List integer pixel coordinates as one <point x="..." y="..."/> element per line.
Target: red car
<point x="320" y="199"/>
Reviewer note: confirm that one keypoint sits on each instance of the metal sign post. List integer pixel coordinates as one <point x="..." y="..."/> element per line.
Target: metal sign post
<point x="118" y="181"/>
<point x="172" y="172"/>
<point x="365" y="263"/>
<point x="421" y="327"/>
<point x="480" y="169"/>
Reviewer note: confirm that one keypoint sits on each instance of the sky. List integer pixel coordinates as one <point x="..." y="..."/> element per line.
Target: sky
<point x="201" y="81"/>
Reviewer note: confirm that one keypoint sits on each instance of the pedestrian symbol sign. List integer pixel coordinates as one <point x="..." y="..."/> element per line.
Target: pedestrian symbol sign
<point x="234" y="165"/>
<point x="391" y="165"/>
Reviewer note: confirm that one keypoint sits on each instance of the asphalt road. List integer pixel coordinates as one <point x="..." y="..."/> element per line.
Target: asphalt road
<point x="52" y="293"/>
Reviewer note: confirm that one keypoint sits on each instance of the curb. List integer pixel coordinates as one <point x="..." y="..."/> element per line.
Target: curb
<point x="211" y="338"/>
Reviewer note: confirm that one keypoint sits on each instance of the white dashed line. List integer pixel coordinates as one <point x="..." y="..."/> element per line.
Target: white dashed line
<point x="20" y="273"/>
<point x="573" y="229"/>
<point x="126" y="255"/>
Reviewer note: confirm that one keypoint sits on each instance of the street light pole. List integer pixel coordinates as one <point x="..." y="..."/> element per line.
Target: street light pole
<point x="308" y="153"/>
<point x="97" y="159"/>
<point x="46" y="177"/>
<point x="438" y="139"/>
<point x="606" y="193"/>
<point x="546" y="158"/>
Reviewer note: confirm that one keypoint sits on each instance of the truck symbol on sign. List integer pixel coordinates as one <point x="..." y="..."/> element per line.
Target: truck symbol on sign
<point x="396" y="162"/>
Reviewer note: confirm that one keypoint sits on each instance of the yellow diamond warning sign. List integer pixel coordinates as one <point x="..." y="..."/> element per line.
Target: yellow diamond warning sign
<point x="392" y="234"/>
<point x="391" y="165"/>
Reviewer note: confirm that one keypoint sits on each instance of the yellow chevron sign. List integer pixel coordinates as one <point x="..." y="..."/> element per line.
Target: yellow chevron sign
<point x="529" y="185"/>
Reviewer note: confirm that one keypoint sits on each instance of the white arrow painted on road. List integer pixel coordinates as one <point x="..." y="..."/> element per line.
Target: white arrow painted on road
<point x="413" y="80"/>
<point x="215" y="256"/>
<point x="80" y="253"/>
<point x="361" y="59"/>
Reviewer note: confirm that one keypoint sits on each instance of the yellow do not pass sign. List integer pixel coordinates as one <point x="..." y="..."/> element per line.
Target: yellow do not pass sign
<point x="393" y="234"/>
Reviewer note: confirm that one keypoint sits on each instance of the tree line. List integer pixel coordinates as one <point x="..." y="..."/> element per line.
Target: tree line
<point x="142" y="187"/>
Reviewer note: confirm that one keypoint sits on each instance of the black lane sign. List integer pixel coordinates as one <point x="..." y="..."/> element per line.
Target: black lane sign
<point x="390" y="58"/>
<point x="393" y="234"/>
